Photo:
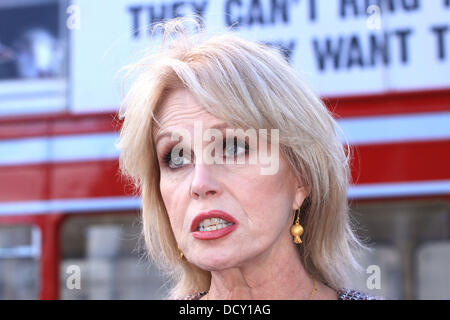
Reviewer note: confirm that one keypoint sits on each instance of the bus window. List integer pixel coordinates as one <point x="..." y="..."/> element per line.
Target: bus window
<point x="19" y="255"/>
<point x="411" y="242"/>
<point x="103" y="258"/>
<point x="33" y="56"/>
<point x="433" y="270"/>
<point x="381" y="274"/>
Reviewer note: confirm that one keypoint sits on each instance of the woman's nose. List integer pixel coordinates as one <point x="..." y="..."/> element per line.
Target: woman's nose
<point x="204" y="184"/>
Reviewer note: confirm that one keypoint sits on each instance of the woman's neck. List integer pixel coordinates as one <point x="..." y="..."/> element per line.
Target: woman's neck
<point x="275" y="274"/>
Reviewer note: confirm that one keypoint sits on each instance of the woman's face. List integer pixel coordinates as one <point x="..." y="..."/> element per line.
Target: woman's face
<point x="259" y="206"/>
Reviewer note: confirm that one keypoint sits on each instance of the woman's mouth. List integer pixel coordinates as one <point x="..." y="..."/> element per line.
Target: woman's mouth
<point x="212" y="225"/>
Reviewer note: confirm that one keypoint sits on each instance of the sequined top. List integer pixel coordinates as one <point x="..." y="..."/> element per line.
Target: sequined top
<point x="343" y="294"/>
<point x="351" y="294"/>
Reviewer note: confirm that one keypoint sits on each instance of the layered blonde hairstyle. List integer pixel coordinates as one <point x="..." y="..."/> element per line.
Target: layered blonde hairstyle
<point x="247" y="85"/>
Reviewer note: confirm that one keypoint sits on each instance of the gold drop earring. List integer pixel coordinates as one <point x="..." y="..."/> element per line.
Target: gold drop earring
<point x="297" y="229"/>
<point x="181" y="255"/>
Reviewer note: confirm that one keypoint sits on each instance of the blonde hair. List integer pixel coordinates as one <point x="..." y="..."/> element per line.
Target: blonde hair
<point x="248" y="85"/>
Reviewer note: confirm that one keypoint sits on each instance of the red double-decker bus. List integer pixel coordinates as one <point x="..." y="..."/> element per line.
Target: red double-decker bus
<point x="69" y="223"/>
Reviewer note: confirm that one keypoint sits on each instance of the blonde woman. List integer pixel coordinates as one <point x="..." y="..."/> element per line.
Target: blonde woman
<point x="225" y="229"/>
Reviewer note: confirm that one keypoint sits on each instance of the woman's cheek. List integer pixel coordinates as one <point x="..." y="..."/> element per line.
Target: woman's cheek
<point x="176" y="220"/>
<point x="174" y="194"/>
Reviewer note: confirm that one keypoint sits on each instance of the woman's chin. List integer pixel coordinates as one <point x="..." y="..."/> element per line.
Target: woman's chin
<point x="214" y="262"/>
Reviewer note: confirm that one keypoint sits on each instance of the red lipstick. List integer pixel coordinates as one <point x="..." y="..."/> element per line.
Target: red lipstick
<point x="214" y="234"/>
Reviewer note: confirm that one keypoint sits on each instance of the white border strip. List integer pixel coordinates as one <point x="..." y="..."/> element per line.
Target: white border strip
<point x="363" y="191"/>
<point x="396" y="128"/>
<point x="388" y="190"/>
<point x="82" y="147"/>
<point x="69" y="205"/>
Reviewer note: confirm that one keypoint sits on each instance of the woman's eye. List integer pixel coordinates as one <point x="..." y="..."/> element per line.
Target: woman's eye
<point x="234" y="148"/>
<point x="175" y="160"/>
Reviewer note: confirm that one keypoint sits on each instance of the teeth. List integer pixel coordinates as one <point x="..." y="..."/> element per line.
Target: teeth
<point x="213" y="224"/>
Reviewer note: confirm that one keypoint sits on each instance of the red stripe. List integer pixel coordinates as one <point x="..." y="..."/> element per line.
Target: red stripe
<point x="62" y="124"/>
<point x="400" y="162"/>
<point x="62" y="180"/>
<point x="390" y="103"/>
<point x="354" y="106"/>
<point x="50" y="259"/>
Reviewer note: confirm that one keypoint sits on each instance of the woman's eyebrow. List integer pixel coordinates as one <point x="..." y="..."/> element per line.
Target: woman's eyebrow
<point x="164" y="133"/>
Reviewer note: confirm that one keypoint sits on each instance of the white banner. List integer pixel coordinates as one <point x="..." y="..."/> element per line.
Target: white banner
<point x="342" y="47"/>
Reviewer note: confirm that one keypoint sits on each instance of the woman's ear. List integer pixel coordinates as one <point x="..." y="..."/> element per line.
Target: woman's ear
<point x="301" y="193"/>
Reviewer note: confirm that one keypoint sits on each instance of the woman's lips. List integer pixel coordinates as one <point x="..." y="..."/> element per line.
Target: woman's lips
<point x="214" y="234"/>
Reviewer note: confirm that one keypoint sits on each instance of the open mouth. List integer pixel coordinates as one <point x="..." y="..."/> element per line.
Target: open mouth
<point x="213" y="224"/>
